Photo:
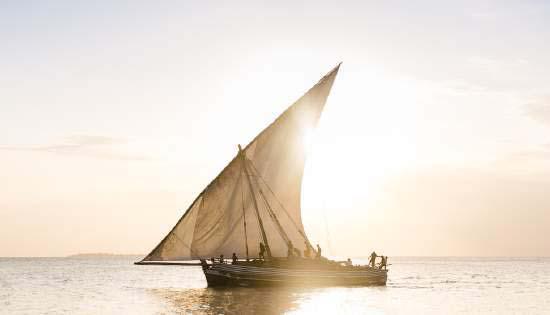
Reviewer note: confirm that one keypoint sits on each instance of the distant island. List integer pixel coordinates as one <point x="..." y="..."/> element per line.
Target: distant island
<point x="98" y="255"/>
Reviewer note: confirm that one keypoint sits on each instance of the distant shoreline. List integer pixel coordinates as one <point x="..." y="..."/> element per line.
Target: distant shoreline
<point x="92" y="255"/>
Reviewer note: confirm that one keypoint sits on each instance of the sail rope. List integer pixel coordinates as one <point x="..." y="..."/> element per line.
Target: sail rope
<point x="280" y="228"/>
<point x="177" y="238"/>
<point x="302" y="233"/>
<point x="183" y="243"/>
<point x="237" y="184"/>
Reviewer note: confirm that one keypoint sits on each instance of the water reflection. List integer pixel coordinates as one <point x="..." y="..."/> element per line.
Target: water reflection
<point x="270" y="300"/>
<point x="232" y="300"/>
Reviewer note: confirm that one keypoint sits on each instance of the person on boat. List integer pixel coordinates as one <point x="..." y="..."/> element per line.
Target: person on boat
<point x="348" y="262"/>
<point x="318" y="255"/>
<point x="234" y="258"/>
<point x="262" y="250"/>
<point x="307" y="251"/>
<point x="222" y="261"/>
<point x="372" y="260"/>
<point x="290" y="251"/>
<point x="383" y="262"/>
<point x="212" y="259"/>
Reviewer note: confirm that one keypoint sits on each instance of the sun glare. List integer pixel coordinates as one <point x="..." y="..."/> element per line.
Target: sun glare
<point x="307" y="140"/>
<point x="360" y="143"/>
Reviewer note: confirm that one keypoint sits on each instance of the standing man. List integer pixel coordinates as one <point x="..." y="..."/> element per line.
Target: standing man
<point x="290" y="251"/>
<point x="307" y="251"/>
<point x="372" y="260"/>
<point x="383" y="263"/>
<point x="262" y="250"/>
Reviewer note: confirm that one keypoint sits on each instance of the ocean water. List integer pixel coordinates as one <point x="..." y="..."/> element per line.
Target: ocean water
<point x="415" y="286"/>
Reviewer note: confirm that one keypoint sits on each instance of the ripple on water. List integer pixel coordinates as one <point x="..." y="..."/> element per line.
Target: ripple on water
<point x="415" y="285"/>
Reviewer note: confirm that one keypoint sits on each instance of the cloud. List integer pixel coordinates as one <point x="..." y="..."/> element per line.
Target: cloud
<point x="532" y="160"/>
<point x="542" y="154"/>
<point x="82" y="145"/>
<point x="539" y="111"/>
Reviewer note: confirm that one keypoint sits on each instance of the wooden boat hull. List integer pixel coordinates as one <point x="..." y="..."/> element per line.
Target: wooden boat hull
<point x="250" y="276"/>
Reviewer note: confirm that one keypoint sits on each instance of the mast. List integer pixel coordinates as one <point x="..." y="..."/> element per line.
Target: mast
<point x="244" y="217"/>
<point x="264" y="236"/>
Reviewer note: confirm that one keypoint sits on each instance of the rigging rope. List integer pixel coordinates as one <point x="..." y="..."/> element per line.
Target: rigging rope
<point x="280" y="229"/>
<point x="302" y="233"/>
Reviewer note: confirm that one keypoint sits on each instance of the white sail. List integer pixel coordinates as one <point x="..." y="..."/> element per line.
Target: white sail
<point x="265" y="182"/>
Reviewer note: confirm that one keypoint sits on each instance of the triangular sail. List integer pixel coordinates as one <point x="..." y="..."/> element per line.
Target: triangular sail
<point x="215" y="222"/>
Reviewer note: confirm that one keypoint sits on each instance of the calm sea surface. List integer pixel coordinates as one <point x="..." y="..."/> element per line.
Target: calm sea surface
<point x="415" y="286"/>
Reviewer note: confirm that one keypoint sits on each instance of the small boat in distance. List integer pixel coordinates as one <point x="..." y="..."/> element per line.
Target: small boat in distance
<point x="252" y="210"/>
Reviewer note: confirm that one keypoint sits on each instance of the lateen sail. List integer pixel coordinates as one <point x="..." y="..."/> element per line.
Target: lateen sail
<point x="266" y="181"/>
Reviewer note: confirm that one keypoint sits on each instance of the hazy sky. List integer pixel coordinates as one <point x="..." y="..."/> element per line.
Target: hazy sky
<point x="435" y="139"/>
